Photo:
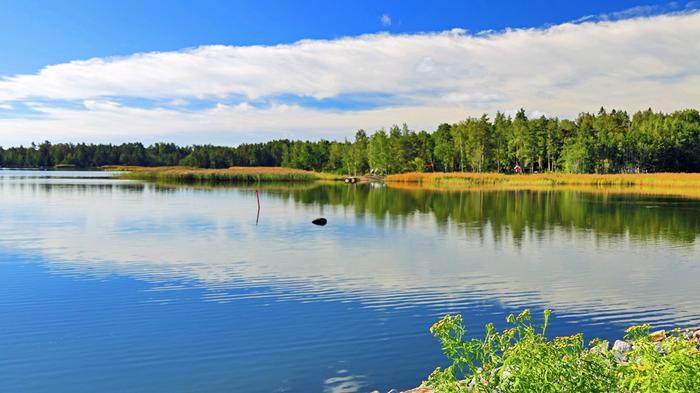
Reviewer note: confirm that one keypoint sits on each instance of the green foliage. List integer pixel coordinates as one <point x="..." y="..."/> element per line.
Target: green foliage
<point x="521" y="359"/>
<point x="606" y="142"/>
<point x="418" y="165"/>
<point x="444" y="148"/>
<point x="672" y="365"/>
<point x="378" y="151"/>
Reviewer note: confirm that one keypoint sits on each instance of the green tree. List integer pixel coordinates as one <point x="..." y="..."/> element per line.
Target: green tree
<point x="518" y="144"/>
<point x="444" y="150"/>
<point x="500" y="135"/>
<point x="378" y="151"/>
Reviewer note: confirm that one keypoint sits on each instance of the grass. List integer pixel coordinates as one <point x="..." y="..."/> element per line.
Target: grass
<point x="685" y="192"/>
<point x="676" y="184"/>
<point x="189" y="175"/>
<point x="553" y="179"/>
<point x="522" y="359"/>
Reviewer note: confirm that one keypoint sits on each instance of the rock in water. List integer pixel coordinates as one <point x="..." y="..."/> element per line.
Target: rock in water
<point x="320" y="221"/>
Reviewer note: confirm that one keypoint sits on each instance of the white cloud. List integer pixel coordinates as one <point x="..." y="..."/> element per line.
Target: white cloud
<point x="386" y="20"/>
<point x="642" y="11"/>
<point x="430" y="78"/>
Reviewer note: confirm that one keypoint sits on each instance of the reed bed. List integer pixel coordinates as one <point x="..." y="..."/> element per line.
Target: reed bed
<point x="684" y="192"/>
<point x="677" y="180"/>
<point x="218" y="176"/>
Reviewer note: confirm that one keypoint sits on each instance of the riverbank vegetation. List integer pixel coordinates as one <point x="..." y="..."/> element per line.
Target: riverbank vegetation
<point x="521" y="358"/>
<point x="455" y="179"/>
<point x="185" y="175"/>
<point x="605" y="142"/>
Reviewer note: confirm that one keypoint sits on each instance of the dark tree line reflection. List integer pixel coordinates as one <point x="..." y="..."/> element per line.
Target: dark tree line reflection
<point x="515" y="213"/>
<point x="504" y="214"/>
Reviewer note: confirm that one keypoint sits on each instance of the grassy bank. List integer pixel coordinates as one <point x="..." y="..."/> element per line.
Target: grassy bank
<point x="458" y="179"/>
<point x="671" y="184"/>
<point x="680" y="191"/>
<point x="216" y="176"/>
<point x="522" y="359"/>
<point x="679" y="184"/>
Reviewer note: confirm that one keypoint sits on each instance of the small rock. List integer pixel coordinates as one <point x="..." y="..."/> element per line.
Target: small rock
<point x="658" y="336"/>
<point x="622" y="346"/>
<point x="421" y="389"/>
<point x="393" y="391"/>
<point x="695" y="336"/>
<point x="659" y="348"/>
<point x="620" y="357"/>
<point x="320" y="221"/>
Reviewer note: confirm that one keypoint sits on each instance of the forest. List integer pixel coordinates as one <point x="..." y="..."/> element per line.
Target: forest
<point x="605" y="142"/>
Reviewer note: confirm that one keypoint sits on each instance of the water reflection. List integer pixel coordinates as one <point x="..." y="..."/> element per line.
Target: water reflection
<point x="567" y="249"/>
<point x="597" y="259"/>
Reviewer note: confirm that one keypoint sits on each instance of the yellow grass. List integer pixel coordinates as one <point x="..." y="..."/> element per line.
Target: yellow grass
<point x="678" y="184"/>
<point x="185" y="169"/>
<point x="686" y="192"/>
<point x="226" y="175"/>
<point x="465" y="179"/>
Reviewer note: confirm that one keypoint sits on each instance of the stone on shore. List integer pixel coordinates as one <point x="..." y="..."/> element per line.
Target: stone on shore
<point x="620" y="351"/>
<point x="420" y="390"/>
<point x="622" y="346"/>
<point x="658" y="336"/>
<point x="695" y="336"/>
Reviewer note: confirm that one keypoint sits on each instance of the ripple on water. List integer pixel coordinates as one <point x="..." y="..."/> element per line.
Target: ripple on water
<point x="120" y="286"/>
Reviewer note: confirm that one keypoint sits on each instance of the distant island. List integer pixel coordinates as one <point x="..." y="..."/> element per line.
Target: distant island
<point x="608" y="142"/>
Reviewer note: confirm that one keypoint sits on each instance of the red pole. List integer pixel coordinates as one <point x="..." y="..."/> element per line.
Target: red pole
<point x="257" y="217"/>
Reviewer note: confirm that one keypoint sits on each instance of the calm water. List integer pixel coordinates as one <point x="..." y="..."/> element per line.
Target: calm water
<point x="116" y="286"/>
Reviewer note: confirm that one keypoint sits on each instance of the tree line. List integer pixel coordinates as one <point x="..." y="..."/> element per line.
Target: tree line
<point x="605" y="142"/>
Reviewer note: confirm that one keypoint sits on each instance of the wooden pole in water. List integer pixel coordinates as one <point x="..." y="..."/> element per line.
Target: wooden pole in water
<point x="257" y="217"/>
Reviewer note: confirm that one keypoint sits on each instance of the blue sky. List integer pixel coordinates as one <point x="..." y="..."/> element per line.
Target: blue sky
<point x="34" y="34"/>
<point x="236" y="43"/>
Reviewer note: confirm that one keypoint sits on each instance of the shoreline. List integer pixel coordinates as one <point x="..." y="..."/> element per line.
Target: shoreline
<point x="466" y="179"/>
<point x="660" y="184"/>
<point x="233" y="175"/>
<point x="685" y="185"/>
<point x="620" y="350"/>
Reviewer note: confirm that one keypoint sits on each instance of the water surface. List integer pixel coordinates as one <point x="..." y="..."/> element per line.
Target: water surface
<point x="113" y="286"/>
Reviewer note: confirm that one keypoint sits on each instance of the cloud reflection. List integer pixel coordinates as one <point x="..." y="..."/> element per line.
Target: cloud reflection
<point x="402" y="254"/>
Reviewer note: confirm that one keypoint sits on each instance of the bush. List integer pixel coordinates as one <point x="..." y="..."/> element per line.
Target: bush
<point x="521" y="359"/>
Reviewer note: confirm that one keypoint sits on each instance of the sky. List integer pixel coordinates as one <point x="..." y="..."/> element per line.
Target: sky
<point x="231" y="72"/>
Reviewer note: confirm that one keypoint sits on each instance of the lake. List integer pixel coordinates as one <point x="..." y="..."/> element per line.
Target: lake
<point x="121" y="286"/>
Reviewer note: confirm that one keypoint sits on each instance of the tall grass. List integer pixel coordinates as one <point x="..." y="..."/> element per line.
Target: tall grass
<point x="554" y="179"/>
<point x="666" y="190"/>
<point x="216" y="176"/>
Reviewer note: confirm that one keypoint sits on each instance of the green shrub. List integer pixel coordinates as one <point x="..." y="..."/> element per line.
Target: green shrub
<point x="521" y="359"/>
<point x="672" y="365"/>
